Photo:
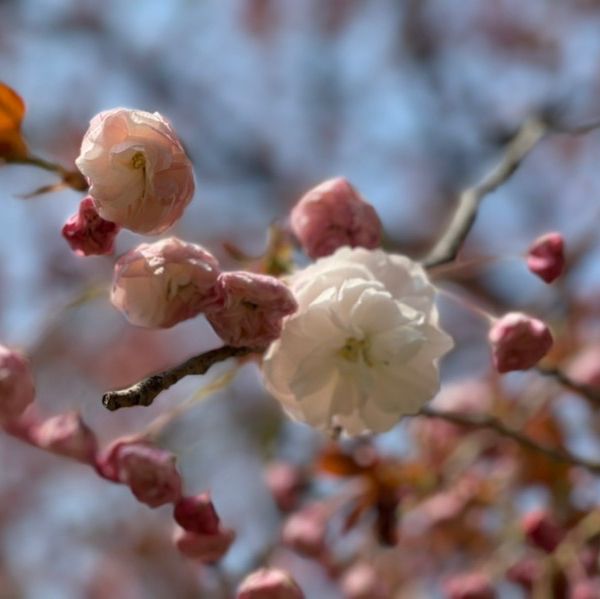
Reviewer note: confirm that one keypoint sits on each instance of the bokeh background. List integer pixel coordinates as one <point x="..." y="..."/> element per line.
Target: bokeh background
<point x="411" y="100"/>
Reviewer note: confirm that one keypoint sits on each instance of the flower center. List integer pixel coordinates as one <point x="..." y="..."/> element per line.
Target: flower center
<point x="138" y="160"/>
<point x="355" y="349"/>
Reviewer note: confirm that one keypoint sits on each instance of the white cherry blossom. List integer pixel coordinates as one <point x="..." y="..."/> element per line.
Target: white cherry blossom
<point x="363" y="348"/>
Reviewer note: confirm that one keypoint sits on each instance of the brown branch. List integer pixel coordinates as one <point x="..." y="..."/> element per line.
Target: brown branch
<point x="530" y="133"/>
<point x="448" y="246"/>
<point x="484" y="421"/>
<point x="70" y="178"/>
<point x="590" y="393"/>
<point x="144" y="392"/>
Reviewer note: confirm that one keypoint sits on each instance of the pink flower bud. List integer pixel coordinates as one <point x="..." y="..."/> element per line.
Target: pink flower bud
<point x="525" y="573"/>
<point x="149" y="471"/>
<point x="139" y="174"/>
<point x="207" y="548"/>
<point x="197" y="514"/>
<point x="305" y="531"/>
<point x="585" y="366"/>
<point x="160" y="284"/>
<point x="546" y="257"/>
<point x="88" y="233"/>
<point x="586" y="589"/>
<point x="332" y="215"/>
<point x="542" y="531"/>
<point x="17" y="391"/>
<point x="285" y="481"/>
<point x="250" y="309"/>
<point x="66" y="435"/>
<point x="361" y="581"/>
<point x="269" y="584"/>
<point x="475" y="585"/>
<point x="519" y="342"/>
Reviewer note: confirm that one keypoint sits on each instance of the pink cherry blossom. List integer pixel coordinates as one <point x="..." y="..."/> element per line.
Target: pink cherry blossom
<point x="17" y="389"/>
<point x="332" y="215"/>
<point x="250" y="308"/>
<point x="66" y="435"/>
<point x="197" y="514"/>
<point x="207" y="548"/>
<point x="139" y="174"/>
<point x="546" y="257"/>
<point x="149" y="471"/>
<point x="542" y="531"/>
<point x="161" y="284"/>
<point x="269" y="584"/>
<point x="472" y="585"/>
<point x="88" y="233"/>
<point x="519" y="341"/>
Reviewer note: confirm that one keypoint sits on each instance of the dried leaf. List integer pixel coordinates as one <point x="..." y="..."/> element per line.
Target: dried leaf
<point x="12" y="111"/>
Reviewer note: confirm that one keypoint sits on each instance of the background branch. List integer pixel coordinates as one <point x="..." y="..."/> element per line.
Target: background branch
<point x="448" y="246"/>
<point x="484" y="421"/>
<point x="144" y="392"/>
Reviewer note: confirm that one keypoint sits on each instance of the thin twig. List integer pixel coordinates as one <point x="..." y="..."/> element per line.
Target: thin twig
<point x="70" y="178"/>
<point x="448" y="246"/>
<point x="490" y="422"/>
<point x="586" y="391"/>
<point x="144" y="392"/>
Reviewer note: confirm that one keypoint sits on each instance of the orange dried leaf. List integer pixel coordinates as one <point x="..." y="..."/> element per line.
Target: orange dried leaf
<point x="333" y="461"/>
<point x="12" y="111"/>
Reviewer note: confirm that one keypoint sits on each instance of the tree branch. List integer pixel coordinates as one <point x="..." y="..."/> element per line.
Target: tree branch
<point x="448" y="246"/>
<point x="484" y="421"/>
<point x="590" y="393"/>
<point x="144" y="392"/>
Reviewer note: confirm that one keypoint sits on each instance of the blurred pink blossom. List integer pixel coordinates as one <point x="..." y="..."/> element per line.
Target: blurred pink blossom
<point x="332" y="215"/>
<point x="305" y="530"/>
<point x="472" y="585"/>
<point x="519" y="341"/>
<point x="66" y="435"/>
<point x="88" y="233"/>
<point x="207" y="548"/>
<point x="362" y="581"/>
<point x="542" y="530"/>
<point x="197" y="514"/>
<point x="546" y="257"/>
<point x="285" y="481"/>
<point x="269" y="584"/>
<point x="17" y="389"/>
<point x="250" y="308"/>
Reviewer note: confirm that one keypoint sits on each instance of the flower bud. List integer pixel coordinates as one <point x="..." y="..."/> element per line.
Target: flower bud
<point x="585" y="366"/>
<point x="546" y="257"/>
<point x="588" y="588"/>
<point x="197" y="514"/>
<point x="160" y="284"/>
<point x="332" y="215"/>
<point x="139" y="174"/>
<point x="88" y="233"/>
<point x="207" y="548"/>
<point x="149" y="471"/>
<point x="250" y="308"/>
<point x="473" y="585"/>
<point x="269" y="584"/>
<point x="519" y="342"/>
<point x="361" y="581"/>
<point x="66" y="435"/>
<point x="542" y="531"/>
<point x="17" y="391"/>
<point x="285" y="481"/>
<point x="305" y="531"/>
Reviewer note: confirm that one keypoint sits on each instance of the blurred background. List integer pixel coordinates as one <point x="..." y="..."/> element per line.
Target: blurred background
<point x="411" y="101"/>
